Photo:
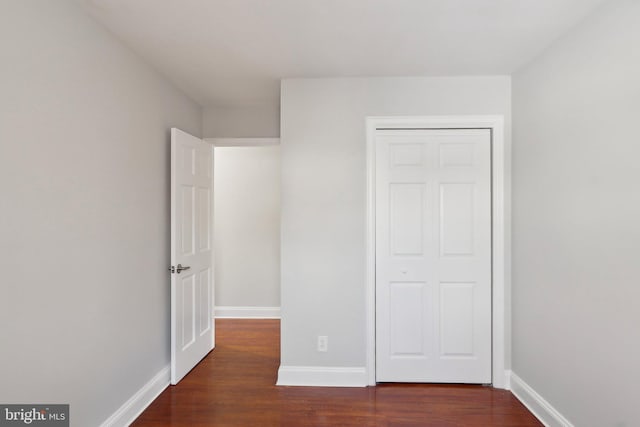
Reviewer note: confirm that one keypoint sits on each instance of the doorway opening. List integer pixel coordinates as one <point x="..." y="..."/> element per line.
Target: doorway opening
<point x="246" y="227"/>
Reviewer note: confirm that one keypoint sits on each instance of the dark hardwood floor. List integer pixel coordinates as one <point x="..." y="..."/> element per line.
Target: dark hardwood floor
<point x="235" y="386"/>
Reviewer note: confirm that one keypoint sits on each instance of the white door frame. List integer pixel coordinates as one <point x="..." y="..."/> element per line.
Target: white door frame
<point x="500" y="233"/>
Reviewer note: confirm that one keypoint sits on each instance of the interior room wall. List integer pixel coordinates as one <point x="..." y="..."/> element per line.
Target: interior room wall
<point x="84" y="217"/>
<point x="576" y="206"/>
<point x="323" y="147"/>
<point x="247" y="210"/>
<point x="247" y="226"/>
<point x="247" y="121"/>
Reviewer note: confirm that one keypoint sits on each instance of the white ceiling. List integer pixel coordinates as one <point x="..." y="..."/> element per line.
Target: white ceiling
<point x="234" y="52"/>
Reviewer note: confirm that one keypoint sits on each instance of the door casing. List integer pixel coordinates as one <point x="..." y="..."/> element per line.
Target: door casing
<point x="499" y="222"/>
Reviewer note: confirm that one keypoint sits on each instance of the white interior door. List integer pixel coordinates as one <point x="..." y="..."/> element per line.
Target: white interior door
<point x="192" y="328"/>
<point x="433" y="256"/>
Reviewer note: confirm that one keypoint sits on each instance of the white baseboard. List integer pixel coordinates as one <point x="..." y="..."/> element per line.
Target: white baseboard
<point x="228" y="312"/>
<point x="507" y="380"/>
<point x="133" y="407"/>
<point x="547" y="414"/>
<point x="322" y="376"/>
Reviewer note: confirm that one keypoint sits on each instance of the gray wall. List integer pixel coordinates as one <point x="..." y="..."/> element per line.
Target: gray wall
<point x="323" y="145"/>
<point x="247" y="226"/>
<point x="576" y="205"/>
<point x="84" y="216"/>
<point x="258" y="121"/>
<point x="247" y="206"/>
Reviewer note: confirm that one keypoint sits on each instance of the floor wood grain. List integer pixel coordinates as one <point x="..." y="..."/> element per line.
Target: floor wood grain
<point x="235" y="386"/>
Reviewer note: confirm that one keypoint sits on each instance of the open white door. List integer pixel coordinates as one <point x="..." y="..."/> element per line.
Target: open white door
<point x="192" y="328"/>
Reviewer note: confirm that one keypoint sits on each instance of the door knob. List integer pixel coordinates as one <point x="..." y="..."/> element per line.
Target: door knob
<point x="179" y="269"/>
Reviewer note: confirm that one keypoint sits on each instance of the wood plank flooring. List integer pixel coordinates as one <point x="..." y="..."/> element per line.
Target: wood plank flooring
<point x="235" y="386"/>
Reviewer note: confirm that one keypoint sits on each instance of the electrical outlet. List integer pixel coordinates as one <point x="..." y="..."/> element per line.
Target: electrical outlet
<point x="323" y="343"/>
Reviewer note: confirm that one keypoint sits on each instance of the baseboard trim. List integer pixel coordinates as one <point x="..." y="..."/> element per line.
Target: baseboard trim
<point x="507" y="380"/>
<point x="321" y="376"/>
<point x="228" y="312"/>
<point x="132" y="408"/>
<point x="543" y="410"/>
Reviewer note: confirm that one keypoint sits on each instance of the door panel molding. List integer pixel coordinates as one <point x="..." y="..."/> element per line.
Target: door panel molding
<point x="499" y="222"/>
